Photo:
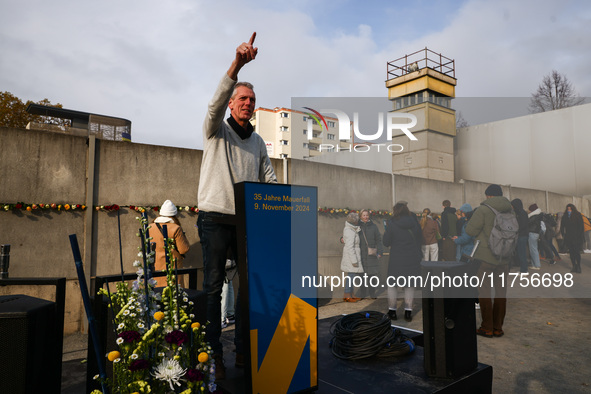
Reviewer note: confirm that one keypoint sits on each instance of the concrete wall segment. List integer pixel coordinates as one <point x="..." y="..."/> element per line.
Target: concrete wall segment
<point x="42" y="167"/>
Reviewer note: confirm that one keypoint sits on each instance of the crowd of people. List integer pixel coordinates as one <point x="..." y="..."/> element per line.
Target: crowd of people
<point x="233" y="153"/>
<point x="541" y="237"/>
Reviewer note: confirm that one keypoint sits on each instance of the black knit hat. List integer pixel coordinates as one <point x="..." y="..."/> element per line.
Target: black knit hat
<point x="493" y="191"/>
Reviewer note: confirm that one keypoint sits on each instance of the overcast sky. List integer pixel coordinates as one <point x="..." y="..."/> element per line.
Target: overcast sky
<point x="157" y="63"/>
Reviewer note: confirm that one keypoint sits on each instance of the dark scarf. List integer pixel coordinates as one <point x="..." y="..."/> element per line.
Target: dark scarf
<point x="241" y="131"/>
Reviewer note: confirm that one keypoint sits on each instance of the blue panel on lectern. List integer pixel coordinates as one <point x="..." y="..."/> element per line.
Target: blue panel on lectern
<point x="281" y="243"/>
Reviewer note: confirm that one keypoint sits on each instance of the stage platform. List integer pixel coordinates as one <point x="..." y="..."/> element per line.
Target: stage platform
<point x="377" y="375"/>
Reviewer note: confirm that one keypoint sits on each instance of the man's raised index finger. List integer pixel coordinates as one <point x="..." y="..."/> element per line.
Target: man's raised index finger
<point x="252" y="38"/>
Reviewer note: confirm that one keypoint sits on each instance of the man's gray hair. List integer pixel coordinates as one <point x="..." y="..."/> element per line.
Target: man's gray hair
<point x="245" y="84"/>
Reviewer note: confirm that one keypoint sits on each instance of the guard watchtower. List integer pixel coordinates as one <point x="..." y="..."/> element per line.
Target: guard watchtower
<point x="423" y="83"/>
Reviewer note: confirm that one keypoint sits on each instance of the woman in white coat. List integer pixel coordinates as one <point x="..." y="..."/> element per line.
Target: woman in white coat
<point x="351" y="262"/>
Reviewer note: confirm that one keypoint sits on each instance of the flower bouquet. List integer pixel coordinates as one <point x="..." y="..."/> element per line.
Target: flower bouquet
<point x="160" y="348"/>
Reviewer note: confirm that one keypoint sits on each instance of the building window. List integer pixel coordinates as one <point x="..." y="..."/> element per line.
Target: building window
<point x="305" y="145"/>
<point x="283" y="142"/>
<point x="330" y="124"/>
<point x="283" y="156"/>
<point x="305" y="131"/>
<point x="284" y="128"/>
<point x="315" y="135"/>
<point x="284" y="114"/>
<point x="330" y="136"/>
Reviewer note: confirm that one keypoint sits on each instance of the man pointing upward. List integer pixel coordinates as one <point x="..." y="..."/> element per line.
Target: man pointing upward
<point x="232" y="153"/>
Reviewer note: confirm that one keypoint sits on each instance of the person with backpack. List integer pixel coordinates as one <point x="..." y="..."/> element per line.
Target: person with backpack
<point x="167" y="217"/>
<point x="494" y="224"/>
<point x="464" y="242"/>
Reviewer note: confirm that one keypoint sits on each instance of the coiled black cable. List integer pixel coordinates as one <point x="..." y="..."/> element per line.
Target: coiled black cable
<point x="367" y="334"/>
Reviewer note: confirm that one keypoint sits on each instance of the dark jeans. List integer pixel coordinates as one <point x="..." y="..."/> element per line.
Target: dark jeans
<point x="522" y="242"/>
<point x="548" y="249"/>
<point x="216" y="240"/>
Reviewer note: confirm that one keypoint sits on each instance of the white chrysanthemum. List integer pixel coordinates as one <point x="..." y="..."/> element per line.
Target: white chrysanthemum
<point x="192" y="316"/>
<point x="140" y="325"/>
<point x="185" y="299"/>
<point x="121" y="326"/>
<point x="119" y="341"/>
<point x="134" y="356"/>
<point x="125" y="312"/>
<point x="132" y="314"/>
<point x="169" y="371"/>
<point x="191" y="302"/>
<point x="161" y="354"/>
<point x="117" y="360"/>
<point x="96" y="377"/>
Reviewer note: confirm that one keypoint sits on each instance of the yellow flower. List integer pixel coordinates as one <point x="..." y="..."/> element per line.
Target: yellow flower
<point x="114" y="355"/>
<point x="196" y="325"/>
<point x="203" y="357"/>
<point x="158" y="315"/>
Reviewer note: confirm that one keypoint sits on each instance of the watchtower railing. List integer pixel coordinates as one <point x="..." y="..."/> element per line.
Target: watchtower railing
<point x="418" y="60"/>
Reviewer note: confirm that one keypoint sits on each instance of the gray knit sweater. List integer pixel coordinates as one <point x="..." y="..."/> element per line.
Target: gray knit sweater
<point x="228" y="159"/>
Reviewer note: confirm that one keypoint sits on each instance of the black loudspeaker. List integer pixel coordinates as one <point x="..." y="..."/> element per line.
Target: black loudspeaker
<point x="449" y="324"/>
<point x="30" y="361"/>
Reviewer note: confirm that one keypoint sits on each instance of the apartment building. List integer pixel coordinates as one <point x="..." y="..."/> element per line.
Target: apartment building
<point x="285" y="132"/>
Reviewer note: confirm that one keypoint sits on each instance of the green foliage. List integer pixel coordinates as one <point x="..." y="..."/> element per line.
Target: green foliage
<point x="13" y="112"/>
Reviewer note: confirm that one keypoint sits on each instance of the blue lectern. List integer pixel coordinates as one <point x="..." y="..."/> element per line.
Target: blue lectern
<point x="276" y="227"/>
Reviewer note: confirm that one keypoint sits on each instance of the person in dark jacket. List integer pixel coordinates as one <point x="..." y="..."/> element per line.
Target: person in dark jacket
<point x="523" y="234"/>
<point x="547" y="249"/>
<point x="535" y="227"/>
<point x="493" y="270"/>
<point x="449" y="230"/>
<point x="572" y="231"/>
<point x="370" y="243"/>
<point x="403" y="235"/>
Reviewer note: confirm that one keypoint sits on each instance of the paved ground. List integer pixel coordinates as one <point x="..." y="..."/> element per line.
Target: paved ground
<point x="546" y="347"/>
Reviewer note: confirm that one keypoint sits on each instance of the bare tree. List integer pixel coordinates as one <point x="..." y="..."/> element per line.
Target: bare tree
<point x="555" y="92"/>
<point x="460" y="121"/>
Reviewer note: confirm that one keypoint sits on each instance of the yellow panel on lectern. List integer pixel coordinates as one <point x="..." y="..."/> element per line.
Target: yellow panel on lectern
<point x="296" y="326"/>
